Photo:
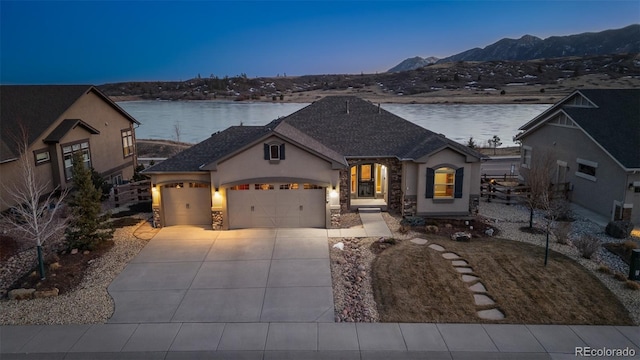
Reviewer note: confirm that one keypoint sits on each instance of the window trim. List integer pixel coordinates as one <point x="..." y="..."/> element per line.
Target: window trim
<point x="588" y="163"/>
<point x="80" y="149"/>
<point x="526" y="160"/>
<point x="41" y="151"/>
<point x="130" y="148"/>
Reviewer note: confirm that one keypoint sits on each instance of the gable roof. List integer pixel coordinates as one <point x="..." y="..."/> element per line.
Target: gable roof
<point x="64" y="127"/>
<point x="36" y="108"/>
<point x="336" y="127"/>
<point x="612" y="120"/>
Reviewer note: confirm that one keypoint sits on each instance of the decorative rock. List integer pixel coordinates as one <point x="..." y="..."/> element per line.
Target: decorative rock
<point x="480" y="299"/>
<point x="461" y="236"/>
<point x="86" y="252"/>
<point x="419" y="241"/>
<point x="46" y="293"/>
<point x="492" y="314"/>
<point x="448" y="226"/>
<point x="21" y="294"/>
<point x="464" y="270"/>
<point x="459" y="263"/>
<point x="339" y="246"/>
<point x="55" y="266"/>
<point x="478" y="287"/>
<point x="450" y="256"/>
<point x="361" y="267"/>
<point x="74" y="251"/>
<point x="489" y="232"/>
<point x="431" y="229"/>
<point x="469" y="278"/>
<point x="436" y="247"/>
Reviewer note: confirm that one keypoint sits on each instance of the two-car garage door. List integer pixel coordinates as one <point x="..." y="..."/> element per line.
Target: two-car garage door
<point x="276" y="205"/>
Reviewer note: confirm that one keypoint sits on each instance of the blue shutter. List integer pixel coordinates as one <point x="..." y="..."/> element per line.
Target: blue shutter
<point x="266" y="152"/>
<point x="282" y="152"/>
<point x="457" y="190"/>
<point x="430" y="180"/>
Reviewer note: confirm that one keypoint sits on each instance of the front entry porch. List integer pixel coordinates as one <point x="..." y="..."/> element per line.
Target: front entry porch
<point x="368" y="186"/>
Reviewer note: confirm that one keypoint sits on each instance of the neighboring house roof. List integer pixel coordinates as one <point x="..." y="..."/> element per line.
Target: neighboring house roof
<point x="613" y="123"/>
<point x="35" y="108"/>
<point x="336" y="127"/>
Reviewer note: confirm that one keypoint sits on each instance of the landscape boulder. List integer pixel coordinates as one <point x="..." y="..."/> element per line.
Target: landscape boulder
<point x="620" y="229"/>
<point x="461" y="236"/>
<point x="46" y="293"/>
<point x="21" y="294"/>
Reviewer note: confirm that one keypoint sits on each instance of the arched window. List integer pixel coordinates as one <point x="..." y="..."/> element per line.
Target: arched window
<point x="444" y="183"/>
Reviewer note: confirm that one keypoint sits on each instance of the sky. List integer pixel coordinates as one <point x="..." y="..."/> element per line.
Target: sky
<point x="97" y="42"/>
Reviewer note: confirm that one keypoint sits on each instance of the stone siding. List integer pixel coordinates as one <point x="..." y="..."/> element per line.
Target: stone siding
<point x="394" y="181"/>
<point x="335" y="218"/>
<point x="216" y="220"/>
<point x="157" y="223"/>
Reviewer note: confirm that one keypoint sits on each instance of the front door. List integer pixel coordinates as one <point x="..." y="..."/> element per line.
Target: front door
<point x="366" y="181"/>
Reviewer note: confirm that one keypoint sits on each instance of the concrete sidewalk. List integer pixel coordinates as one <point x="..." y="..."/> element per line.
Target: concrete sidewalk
<point x="373" y="225"/>
<point x="310" y="341"/>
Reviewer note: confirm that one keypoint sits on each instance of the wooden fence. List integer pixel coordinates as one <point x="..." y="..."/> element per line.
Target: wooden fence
<point x="513" y="192"/>
<point x="132" y="192"/>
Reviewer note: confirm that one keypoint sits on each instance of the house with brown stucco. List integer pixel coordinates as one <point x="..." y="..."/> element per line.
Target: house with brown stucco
<point x="338" y="154"/>
<point x="57" y="121"/>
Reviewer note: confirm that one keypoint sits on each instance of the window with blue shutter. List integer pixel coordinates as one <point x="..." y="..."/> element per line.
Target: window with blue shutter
<point x="430" y="179"/>
<point x="274" y="152"/>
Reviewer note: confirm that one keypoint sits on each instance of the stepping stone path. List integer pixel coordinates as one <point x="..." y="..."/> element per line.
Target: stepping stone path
<point x="480" y="296"/>
<point x="419" y="241"/>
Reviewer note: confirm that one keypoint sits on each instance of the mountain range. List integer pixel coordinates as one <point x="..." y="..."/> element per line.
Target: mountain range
<point x="528" y="47"/>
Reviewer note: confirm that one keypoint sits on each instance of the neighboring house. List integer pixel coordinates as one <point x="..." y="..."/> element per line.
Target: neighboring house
<point x="60" y="120"/>
<point x="305" y="169"/>
<point x="595" y="136"/>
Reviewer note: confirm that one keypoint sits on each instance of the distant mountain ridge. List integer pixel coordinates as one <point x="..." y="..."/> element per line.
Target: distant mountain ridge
<point x="528" y="47"/>
<point x="414" y="63"/>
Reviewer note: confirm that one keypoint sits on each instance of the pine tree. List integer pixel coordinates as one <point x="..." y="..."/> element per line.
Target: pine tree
<point x="87" y="227"/>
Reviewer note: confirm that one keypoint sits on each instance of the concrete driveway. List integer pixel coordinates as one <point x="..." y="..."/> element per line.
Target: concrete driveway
<point x="190" y="274"/>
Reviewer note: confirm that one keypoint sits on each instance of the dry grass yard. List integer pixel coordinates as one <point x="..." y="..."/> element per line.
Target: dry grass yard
<point x="414" y="283"/>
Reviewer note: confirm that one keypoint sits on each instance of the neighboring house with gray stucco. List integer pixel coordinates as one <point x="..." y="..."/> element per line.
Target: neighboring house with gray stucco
<point x="595" y="137"/>
<point x="58" y="121"/>
<point x="338" y="154"/>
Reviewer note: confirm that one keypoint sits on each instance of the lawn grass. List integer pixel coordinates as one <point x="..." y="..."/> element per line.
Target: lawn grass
<point x="413" y="283"/>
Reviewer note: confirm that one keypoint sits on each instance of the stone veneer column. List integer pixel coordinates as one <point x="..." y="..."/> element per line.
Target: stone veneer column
<point x="216" y="219"/>
<point x="157" y="223"/>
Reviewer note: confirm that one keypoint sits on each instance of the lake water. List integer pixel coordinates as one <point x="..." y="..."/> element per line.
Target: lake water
<point x="197" y="120"/>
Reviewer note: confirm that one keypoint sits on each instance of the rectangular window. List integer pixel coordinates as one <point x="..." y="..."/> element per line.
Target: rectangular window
<point x="586" y="169"/>
<point x="354" y="178"/>
<point x="240" y="187"/>
<point x="274" y="152"/>
<point x="365" y="172"/>
<point x="68" y="151"/>
<point x="127" y="142"/>
<point x="444" y="181"/>
<point x="263" y="186"/>
<point x="378" y="178"/>
<point x="526" y="156"/>
<point x="289" y="187"/>
<point x="42" y="157"/>
<point x="312" y="187"/>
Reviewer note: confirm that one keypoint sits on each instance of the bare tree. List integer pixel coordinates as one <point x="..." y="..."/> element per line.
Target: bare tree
<point x="495" y="142"/>
<point x="35" y="213"/>
<point x="177" y="131"/>
<point x="538" y="177"/>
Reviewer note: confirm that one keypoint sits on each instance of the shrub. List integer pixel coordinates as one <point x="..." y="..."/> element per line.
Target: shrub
<point x="587" y="245"/>
<point x="561" y="231"/>
<point x="413" y="221"/>
<point x="605" y="269"/>
<point x="619" y="276"/>
<point x="630" y="284"/>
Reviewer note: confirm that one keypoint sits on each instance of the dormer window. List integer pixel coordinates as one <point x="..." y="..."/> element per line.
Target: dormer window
<point x="274" y="152"/>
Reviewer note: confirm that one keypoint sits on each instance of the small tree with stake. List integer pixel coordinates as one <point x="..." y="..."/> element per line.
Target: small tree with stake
<point x="88" y="227"/>
<point x="36" y="213"/>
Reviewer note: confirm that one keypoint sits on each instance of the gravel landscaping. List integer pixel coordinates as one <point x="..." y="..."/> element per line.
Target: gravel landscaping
<point x="89" y="303"/>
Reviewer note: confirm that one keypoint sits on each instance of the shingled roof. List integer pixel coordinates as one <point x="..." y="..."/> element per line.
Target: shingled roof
<point x="614" y="122"/>
<point x="337" y="127"/>
<point x="36" y="107"/>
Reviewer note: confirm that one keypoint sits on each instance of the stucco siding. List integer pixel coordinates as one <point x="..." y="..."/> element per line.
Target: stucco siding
<point x="570" y="144"/>
<point x="453" y="206"/>
<point x="298" y="163"/>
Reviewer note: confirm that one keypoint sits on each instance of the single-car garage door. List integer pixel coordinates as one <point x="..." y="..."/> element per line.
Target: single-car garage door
<point x="276" y="205"/>
<point x="186" y="204"/>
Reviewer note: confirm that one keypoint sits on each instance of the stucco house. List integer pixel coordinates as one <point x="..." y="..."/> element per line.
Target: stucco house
<point x="595" y="136"/>
<point x="61" y="120"/>
<point x="303" y="170"/>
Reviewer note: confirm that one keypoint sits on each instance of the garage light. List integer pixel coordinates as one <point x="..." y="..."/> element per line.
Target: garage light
<point x="216" y="192"/>
<point x="333" y="192"/>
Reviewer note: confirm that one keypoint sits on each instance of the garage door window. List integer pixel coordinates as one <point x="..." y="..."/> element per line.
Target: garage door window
<point x="289" y="187"/>
<point x="263" y="186"/>
<point x="198" y="185"/>
<point x="174" y="185"/>
<point x="312" y="187"/>
<point x="240" y="187"/>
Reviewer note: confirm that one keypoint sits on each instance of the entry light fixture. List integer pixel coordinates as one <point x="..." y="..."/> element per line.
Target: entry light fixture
<point x="333" y="192"/>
